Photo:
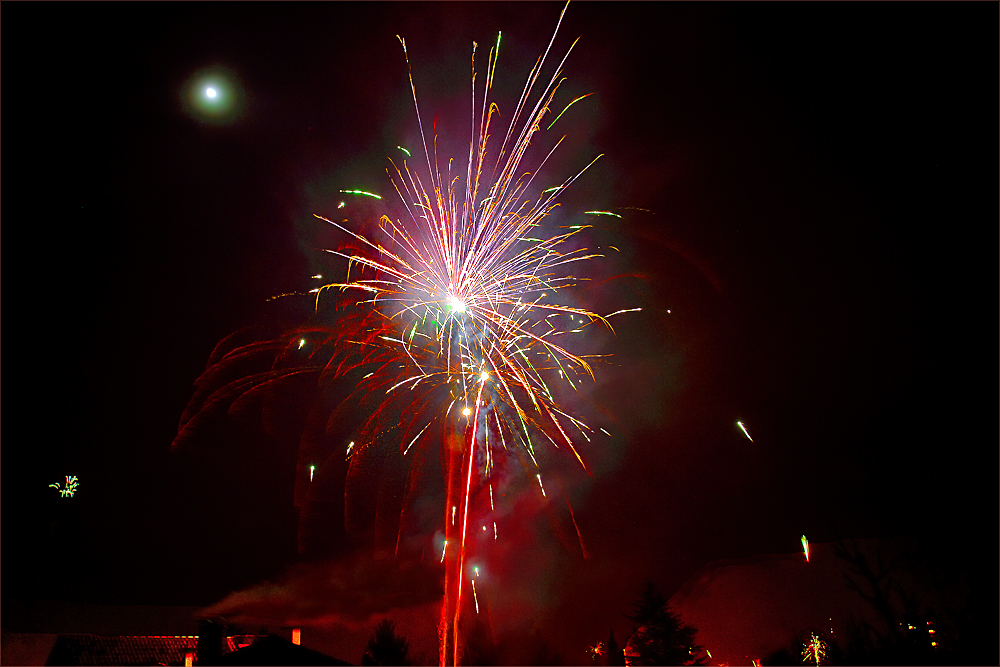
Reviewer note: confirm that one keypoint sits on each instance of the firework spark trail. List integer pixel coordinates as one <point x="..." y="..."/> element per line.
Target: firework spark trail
<point x="579" y="535"/>
<point x="461" y="297"/>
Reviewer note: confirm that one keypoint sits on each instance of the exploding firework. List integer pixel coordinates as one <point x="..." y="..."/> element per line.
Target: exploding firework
<point x="596" y="651"/>
<point x="461" y="322"/>
<point x="459" y="354"/>
<point x="814" y="650"/>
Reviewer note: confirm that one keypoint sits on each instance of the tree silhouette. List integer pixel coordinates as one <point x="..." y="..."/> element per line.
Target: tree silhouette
<point x="613" y="653"/>
<point x="539" y="651"/>
<point x="660" y="637"/>
<point x="385" y="647"/>
<point x="478" y="646"/>
<point x="909" y="627"/>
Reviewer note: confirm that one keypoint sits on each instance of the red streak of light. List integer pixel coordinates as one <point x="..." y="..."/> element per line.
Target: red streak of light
<point x="465" y="521"/>
<point x="579" y="536"/>
<point x="454" y="448"/>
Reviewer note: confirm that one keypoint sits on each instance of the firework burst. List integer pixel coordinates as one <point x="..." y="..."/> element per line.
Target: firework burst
<point x="461" y="323"/>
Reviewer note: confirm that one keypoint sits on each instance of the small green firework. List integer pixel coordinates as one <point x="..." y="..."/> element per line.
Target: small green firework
<point x="72" y="483"/>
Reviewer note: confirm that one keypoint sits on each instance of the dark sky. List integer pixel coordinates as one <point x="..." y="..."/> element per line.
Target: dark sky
<point x="816" y="194"/>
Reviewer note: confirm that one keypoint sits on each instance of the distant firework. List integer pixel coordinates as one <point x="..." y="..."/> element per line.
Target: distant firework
<point x="814" y="650"/>
<point x="68" y="491"/>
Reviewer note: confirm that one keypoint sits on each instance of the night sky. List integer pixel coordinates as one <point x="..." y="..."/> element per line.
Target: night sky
<point x="808" y="189"/>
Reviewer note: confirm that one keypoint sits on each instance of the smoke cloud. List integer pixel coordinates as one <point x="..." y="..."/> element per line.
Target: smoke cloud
<point x="351" y="591"/>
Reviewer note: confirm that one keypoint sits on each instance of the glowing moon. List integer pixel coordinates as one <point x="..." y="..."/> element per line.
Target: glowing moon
<point x="214" y="96"/>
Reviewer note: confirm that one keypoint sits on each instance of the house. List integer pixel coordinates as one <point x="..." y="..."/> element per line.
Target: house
<point x="213" y="646"/>
<point x="275" y="650"/>
<point x="86" y="649"/>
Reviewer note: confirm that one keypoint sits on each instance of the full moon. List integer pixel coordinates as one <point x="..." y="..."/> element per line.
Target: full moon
<point x="214" y="95"/>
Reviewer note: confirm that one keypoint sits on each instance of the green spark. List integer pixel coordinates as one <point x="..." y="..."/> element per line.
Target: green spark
<point x="567" y="107"/>
<point x="361" y="192"/>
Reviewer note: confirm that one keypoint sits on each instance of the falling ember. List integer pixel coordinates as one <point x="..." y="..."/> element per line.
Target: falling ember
<point x="474" y="596"/>
<point x="745" y="432"/>
<point x="407" y="450"/>
<point x="302" y="341"/>
<point x="312" y="469"/>
<point x="494" y="530"/>
<point x="538" y="476"/>
<point x="444" y="550"/>
<point x="805" y="547"/>
<point x="579" y="535"/>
